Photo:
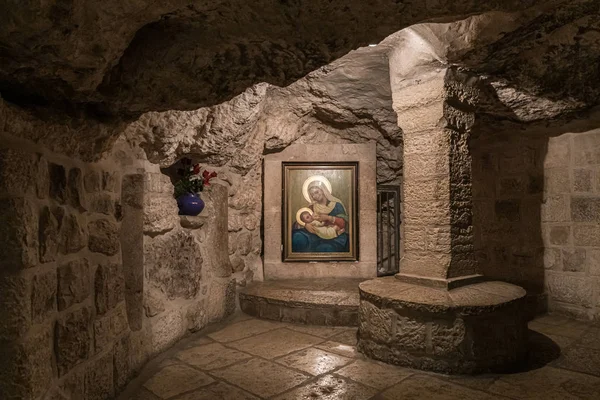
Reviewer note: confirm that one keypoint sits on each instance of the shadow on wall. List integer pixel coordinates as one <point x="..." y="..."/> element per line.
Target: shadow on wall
<point x="536" y="209"/>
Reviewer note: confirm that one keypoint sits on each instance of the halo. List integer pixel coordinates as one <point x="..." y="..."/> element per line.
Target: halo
<point x="300" y="211"/>
<point x="310" y="180"/>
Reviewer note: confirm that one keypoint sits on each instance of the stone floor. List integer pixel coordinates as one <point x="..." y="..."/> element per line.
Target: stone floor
<point x="247" y="358"/>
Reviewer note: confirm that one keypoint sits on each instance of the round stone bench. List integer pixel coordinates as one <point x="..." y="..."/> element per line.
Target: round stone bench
<point x="472" y="329"/>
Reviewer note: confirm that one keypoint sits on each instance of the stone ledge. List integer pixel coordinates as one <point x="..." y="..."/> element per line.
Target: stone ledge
<point x="190" y="222"/>
<point x="306" y="301"/>
<point x="472" y="329"/>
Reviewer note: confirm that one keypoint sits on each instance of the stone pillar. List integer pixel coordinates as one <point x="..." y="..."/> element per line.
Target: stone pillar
<point x="438" y="231"/>
<point x="437" y="313"/>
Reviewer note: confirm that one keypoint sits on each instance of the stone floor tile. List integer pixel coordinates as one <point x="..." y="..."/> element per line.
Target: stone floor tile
<point x="143" y="394"/>
<point x="211" y="356"/>
<point x="314" y="361"/>
<point x="374" y="374"/>
<point x="479" y="382"/>
<point x="419" y="387"/>
<point x="329" y="387"/>
<point x="275" y="343"/>
<point x="348" y="337"/>
<point x="176" y="379"/>
<point x="261" y="377"/>
<point x="581" y="359"/>
<point x="591" y="339"/>
<point x="320" y="331"/>
<point x="219" y="391"/>
<point x="339" y="348"/>
<point x="552" y="319"/>
<point x="244" y="329"/>
<point x="166" y="362"/>
<point x="197" y="341"/>
<point x="547" y="383"/>
<point x="574" y="329"/>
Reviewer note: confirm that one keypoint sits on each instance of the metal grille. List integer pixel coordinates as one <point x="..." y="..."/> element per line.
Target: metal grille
<point x="388" y="229"/>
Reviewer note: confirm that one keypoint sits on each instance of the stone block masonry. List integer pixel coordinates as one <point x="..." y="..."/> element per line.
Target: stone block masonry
<point x="537" y="202"/>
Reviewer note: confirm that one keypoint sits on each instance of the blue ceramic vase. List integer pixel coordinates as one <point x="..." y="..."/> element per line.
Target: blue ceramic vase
<point x="190" y="204"/>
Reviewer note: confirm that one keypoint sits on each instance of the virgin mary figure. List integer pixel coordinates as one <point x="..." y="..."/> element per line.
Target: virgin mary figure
<point x="325" y="210"/>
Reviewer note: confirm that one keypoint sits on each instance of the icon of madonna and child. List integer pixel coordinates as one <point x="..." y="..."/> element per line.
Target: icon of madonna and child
<point x="321" y="226"/>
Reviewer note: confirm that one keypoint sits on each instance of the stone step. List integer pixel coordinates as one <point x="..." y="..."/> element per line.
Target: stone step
<point x="331" y="301"/>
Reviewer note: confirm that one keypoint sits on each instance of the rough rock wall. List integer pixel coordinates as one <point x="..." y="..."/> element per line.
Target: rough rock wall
<point x="76" y="321"/>
<point x="536" y="200"/>
<point x="348" y="101"/>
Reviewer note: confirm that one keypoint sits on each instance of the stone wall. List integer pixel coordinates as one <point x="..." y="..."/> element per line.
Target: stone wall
<point x="62" y="290"/>
<point x="97" y="271"/>
<point x="537" y="212"/>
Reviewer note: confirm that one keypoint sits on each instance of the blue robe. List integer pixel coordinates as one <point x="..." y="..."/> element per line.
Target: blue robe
<point x="305" y="242"/>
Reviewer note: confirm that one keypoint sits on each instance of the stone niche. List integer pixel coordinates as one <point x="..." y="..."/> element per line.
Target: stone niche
<point x="366" y="266"/>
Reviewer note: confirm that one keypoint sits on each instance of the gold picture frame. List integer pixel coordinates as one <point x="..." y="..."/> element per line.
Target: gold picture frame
<point x="320" y="211"/>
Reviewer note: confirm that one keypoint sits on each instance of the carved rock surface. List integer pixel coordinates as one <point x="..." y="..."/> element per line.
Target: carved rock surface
<point x="174" y="263"/>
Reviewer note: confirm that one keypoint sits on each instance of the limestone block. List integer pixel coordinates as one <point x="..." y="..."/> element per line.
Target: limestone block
<point x="43" y="295"/>
<point x="153" y="302"/>
<point x="555" y="209"/>
<point x="15" y="306"/>
<point x="91" y="181"/>
<point x="559" y="235"/>
<point x="237" y="263"/>
<point x="552" y="259"/>
<point x="110" y="287"/>
<point x="447" y="337"/>
<point x="166" y="329"/>
<point x="75" y="189"/>
<point x="570" y="289"/>
<point x="507" y="210"/>
<point x="58" y="183"/>
<point x="586" y="149"/>
<point x="375" y="323"/>
<point x="592" y="260"/>
<point x="18" y="234"/>
<point x="173" y="263"/>
<point x="190" y="222"/>
<point x="110" y="181"/>
<point x="425" y="165"/>
<point x="196" y="316"/>
<point x="585" y="209"/>
<point x="586" y="235"/>
<point x="216" y="255"/>
<point x="123" y="371"/>
<point x="72" y="339"/>
<point x="103" y="334"/>
<point x="158" y="183"/>
<point x="26" y="370"/>
<point x="558" y="152"/>
<point x="17" y="171"/>
<point x="557" y="180"/>
<point x="424" y="212"/>
<point x="102" y="203"/>
<point x="72" y="236"/>
<point x="574" y="260"/>
<point x="132" y="192"/>
<point x="99" y="378"/>
<point x="160" y="214"/>
<point x="73" y="283"/>
<point x="103" y="237"/>
<point x="244" y="243"/>
<point x="582" y="180"/>
<point x="221" y="299"/>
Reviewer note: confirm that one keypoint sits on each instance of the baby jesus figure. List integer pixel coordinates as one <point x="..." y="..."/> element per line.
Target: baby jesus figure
<point x="329" y="229"/>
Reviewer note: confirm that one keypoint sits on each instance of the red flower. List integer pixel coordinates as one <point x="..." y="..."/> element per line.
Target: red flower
<point x="207" y="176"/>
<point x="196" y="169"/>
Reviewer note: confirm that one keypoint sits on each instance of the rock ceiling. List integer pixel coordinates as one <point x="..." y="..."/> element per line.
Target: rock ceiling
<point x="122" y="57"/>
